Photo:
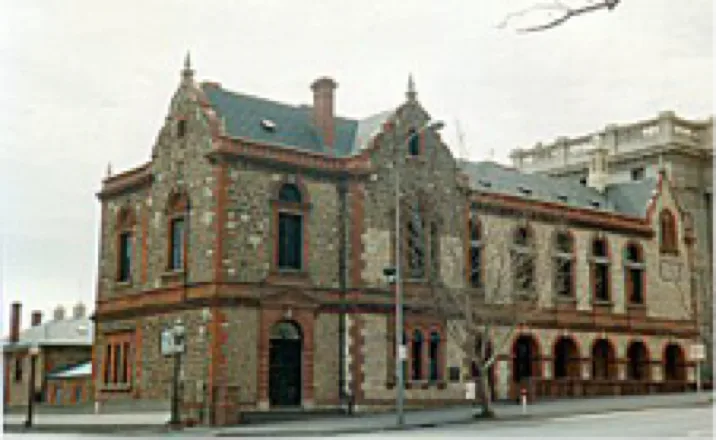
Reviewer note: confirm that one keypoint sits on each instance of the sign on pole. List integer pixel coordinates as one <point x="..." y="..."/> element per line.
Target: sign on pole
<point x="698" y="352"/>
<point x="167" y="343"/>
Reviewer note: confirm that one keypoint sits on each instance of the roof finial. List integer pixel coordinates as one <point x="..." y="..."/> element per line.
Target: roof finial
<point x="411" y="93"/>
<point x="109" y="169"/>
<point x="187" y="72"/>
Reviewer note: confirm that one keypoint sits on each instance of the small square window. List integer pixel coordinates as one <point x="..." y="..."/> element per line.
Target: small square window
<point x="181" y="128"/>
<point x="583" y="181"/>
<point x="637" y="173"/>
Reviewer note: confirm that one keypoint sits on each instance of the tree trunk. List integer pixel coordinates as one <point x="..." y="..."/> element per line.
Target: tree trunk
<point x="486" y="395"/>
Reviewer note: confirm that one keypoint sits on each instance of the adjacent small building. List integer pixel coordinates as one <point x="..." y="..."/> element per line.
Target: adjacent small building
<point x="62" y="360"/>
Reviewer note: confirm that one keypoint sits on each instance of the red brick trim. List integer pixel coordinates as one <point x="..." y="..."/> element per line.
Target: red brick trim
<point x="136" y="360"/>
<point x="220" y="190"/>
<point x="358" y="344"/>
<point x="135" y="177"/>
<point x="145" y="253"/>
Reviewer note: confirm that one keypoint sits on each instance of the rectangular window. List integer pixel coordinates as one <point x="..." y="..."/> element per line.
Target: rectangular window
<point x="637" y="288"/>
<point x="78" y="394"/>
<point x="564" y="277"/>
<point x="476" y="269"/>
<point x="435" y="252"/>
<point x="117" y="362"/>
<point x="176" y="258"/>
<point x="125" y="256"/>
<point x="290" y="238"/>
<point x="601" y="280"/>
<point x="637" y="173"/>
<point x="18" y="369"/>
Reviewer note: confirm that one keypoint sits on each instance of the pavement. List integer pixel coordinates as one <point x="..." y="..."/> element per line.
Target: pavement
<point x="154" y="422"/>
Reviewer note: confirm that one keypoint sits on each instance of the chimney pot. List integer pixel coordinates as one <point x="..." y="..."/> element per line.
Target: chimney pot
<point x="323" y="109"/>
<point x="15" y="314"/>
<point x="36" y="318"/>
<point x="79" y="311"/>
<point x="59" y="314"/>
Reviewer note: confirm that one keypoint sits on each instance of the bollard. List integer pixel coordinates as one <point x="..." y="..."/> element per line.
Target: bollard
<point x="96" y="406"/>
<point x="523" y="399"/>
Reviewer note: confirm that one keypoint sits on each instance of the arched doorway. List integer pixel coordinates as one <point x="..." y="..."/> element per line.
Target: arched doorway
<point x="566" y="358"/>
<point x="638" y="361"/>
<point x="603" y="360"/>
<point x="674" y="363"/>
<point x="285" y="354"/>
<point x="525" y="359"/>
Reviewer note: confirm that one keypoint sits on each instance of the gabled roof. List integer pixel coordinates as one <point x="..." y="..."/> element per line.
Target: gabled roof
<point x="629" y="198"/>
<point x="272" y="122"/>
<point x="77" y="332"/>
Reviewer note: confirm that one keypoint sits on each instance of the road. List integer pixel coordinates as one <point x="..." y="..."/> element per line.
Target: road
<point x="651" y="423"/>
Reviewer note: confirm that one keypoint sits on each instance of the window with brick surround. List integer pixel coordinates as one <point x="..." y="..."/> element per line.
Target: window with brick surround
<point x="434" y="356"/>
<point x="415" y="244"/>
<point x="290" y="237"/>
<point x="600" y="270"/>
<point x="563" y="264"/>
<point x="667" y="232"/>
<point x="125" y="239"/>
<point x="476" y="246"/>
<point x="634" y="276"/>
<point x="177" y="214"/>
<point x="417" y="355"/>
<point x="117" y="361"/>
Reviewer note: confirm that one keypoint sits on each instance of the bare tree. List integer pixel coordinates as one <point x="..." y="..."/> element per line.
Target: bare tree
<point x="549" y="15"/>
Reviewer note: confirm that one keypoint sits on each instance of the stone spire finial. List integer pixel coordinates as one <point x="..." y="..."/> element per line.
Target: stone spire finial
<point x="411" y="94"/>
<point x="187" y="72"/>
<point x="109" y="169"/>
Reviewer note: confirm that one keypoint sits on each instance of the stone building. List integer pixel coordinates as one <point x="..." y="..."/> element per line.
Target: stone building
<point x="62" y="344"/>
<point x="637" y="151"/>
<point x="265" y="228"/>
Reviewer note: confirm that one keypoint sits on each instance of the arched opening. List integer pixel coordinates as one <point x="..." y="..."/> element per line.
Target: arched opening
<point x="637" y="361"/>
<point x="603" y="360"/>
<point x="417" y="355"/>
<point x="525" y="359"/>
<point x="289" y="243"/>
<point x="674" y="363"/>
<point x="285" y="372"/>
<point x="566" y="358"/>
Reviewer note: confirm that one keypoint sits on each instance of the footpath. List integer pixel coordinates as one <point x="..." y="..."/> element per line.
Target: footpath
<point x="148" y="422"/>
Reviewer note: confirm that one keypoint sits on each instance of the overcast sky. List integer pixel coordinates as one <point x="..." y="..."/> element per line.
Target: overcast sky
<point x="87" y="82"/>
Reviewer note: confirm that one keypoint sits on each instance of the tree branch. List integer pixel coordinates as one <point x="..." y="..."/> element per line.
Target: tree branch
<point x="565" y="12"/>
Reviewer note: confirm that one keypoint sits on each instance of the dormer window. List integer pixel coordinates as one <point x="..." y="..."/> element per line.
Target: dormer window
<point x="524" y="190"/>
<point x="594" y="203"/>
<point x="583" y="181"/>
<point x="268" y="125"/>
<point x="485" y="183"/>
<point x="562" y="198"/>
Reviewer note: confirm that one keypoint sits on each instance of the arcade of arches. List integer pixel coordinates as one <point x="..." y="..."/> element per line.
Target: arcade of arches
<point x="564" y="368"/>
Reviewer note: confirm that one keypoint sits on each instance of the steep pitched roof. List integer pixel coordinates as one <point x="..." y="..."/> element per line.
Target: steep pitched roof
<point x="629" y="198"/>
<point x="272" y="122"/>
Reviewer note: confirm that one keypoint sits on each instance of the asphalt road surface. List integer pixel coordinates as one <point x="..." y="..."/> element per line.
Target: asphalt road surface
<point x="651" y="423"/>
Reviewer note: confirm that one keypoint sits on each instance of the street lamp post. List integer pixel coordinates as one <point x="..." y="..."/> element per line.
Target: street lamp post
<point x="178" y="346"/>
<point x="394" y="274"/>
<point x="33" y="351"/>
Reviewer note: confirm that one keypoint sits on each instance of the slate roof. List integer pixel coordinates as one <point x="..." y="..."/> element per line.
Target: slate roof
<point x="79" y="331"/>
<point x="630" y="198"/>
<point x="292" y="125"/>
<point x="69" y="372"/>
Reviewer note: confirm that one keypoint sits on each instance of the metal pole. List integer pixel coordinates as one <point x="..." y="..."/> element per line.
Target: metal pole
<point x="30" y="393"/>
<point x="175" y="392"/>
<point x="398" y="304"/>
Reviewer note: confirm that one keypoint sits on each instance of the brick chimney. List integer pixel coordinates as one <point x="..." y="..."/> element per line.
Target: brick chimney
<point x="15" y="314"/>
<point x="79" y="311"/>
<point x="59" y="313"/>
<point x="36" y="318"/>
<point x="323" y="105"/>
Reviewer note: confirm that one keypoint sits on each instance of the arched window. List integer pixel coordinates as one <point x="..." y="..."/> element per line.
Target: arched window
<point x="417" y="355"/>
<point x="603" y="360"/>
<point x="600" y="270"/>
<point x="476" y="245"/>
<point x="125" y="241"/>
<point x="566" y="359"/>
<point x="413" y="143"/>
<point x="638" y="361"/>
<point x="634" y="273"/>
<point x="177" y="214"/>
<point x="525" y="358"/>
<point x="674" y="363"/>
<point x="563" y="257"/>
<point x="523" y="259"/>
<point x="290" y="228"/>
<point x="434" y="356"/>
<point x="415" y="240"/>
<point x="667" y="232"/>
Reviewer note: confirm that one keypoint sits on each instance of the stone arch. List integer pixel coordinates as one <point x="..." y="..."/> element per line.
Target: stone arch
<point x="526" y="358"/>
<point x="674" y="362"/>
<point x="285" y="381"/>
<point x="603" y="359"/>
<point x="638" y="361"/>
<point x="566" y="358"/>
